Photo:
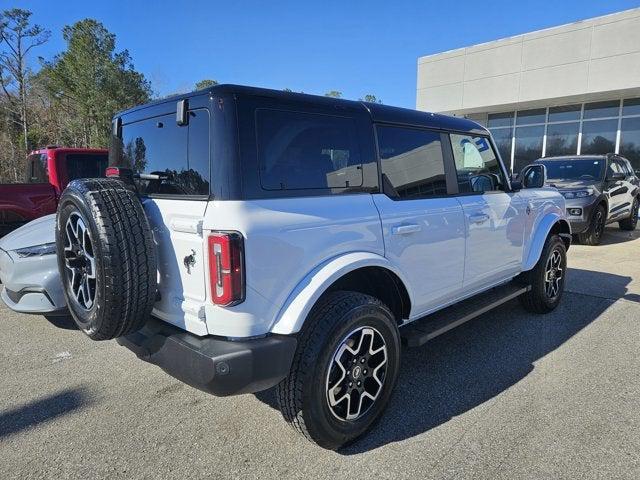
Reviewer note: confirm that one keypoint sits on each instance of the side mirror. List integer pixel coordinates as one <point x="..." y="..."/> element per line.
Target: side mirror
<point x="534" y="176"/>
<point x="516" y="183"/>
<point x="615" y="176"/>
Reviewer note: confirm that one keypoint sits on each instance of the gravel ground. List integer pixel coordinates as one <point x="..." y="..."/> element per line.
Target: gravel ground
<point x="509" y="395"/>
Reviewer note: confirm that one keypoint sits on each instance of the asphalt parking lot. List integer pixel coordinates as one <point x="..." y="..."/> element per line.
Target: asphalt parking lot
<point x="509" y="395"/>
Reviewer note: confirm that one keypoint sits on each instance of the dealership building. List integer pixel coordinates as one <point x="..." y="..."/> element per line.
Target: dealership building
<point x="572" y="89"/>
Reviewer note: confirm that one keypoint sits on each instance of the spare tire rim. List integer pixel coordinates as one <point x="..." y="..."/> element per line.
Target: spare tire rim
<point x="553" y="274"/>
<point x="79" y="261"/>
<point x="356" y="373"/>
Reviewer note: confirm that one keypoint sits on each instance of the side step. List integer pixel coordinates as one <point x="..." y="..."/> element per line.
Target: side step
<point x="420" y="331"/>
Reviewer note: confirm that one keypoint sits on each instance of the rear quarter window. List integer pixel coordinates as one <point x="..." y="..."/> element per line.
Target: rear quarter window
<point x="83" y="165"/>
<point x="299" y="150"/>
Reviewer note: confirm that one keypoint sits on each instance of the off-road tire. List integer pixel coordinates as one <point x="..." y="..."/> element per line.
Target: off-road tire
<point x="631" y="222"/>
<point x="123" y="253"/>
<point x="593" y="235"/>
<point x="302" y="395"/>
<point x="536" y="299"/>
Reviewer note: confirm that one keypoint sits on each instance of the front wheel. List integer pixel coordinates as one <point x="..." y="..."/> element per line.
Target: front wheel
<point x="547" y="278"/>
<point x="593" y="235"/>
<point x="631" y="222"/>
<point x="344" y="370"/>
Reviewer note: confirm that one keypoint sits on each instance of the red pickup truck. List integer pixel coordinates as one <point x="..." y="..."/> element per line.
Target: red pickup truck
<point x="48" y="171"/>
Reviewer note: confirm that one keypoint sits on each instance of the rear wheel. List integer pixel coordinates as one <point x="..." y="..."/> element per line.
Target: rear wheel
<point x="593" y="235"/>
<point x="106" y="257"/>
<point x="631" y="222"/>
<point x="547" y="278"/>
<point x="344" y="370"/>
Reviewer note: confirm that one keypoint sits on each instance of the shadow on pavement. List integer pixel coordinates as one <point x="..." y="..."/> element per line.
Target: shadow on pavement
<point x="475" y="362"/>
<point x="41" y="411"/>
<point x="613" y="235"/>
<point x="64" y="322"/>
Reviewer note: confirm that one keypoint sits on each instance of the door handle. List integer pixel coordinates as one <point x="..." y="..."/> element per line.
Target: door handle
<point x="405" y="229"/>
<point x="479" y="218"/>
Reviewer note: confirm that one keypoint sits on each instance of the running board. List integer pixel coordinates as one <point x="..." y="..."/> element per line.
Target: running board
<point x="427" y="328"/>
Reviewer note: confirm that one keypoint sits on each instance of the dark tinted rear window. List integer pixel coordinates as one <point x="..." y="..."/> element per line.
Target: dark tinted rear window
<point x="82" y="165"/>
<point x="171" y="159"/>
<point x="37" y="168"/>
<point x="307" y="151"/>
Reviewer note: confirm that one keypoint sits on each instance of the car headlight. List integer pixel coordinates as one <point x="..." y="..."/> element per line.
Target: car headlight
<point x="37" y="250"/>
<point x="578" y="193"/>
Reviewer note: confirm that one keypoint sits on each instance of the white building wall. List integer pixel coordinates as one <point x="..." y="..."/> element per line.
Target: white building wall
<point x="584" y="61"/>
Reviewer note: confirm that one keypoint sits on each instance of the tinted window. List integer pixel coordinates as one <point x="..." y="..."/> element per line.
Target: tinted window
<point x="527" y="117"/>
<point x="528" y="146"/>
<point x="564" y="113"/>
<point x="599" y="137"/>
<point x="630" y="141"/>
<point x="170" y="159"/>
<point x="81" y="165"/>
<point x="631" y="107"/>
<point x="562" y="139"/>
<point x="477" y="165"/>
<point x="602" y="109"/>
<point x="305" y="151"/>
<point x="37" y="168"/>
<point x="502" y="138"/>
<point x="500" y="120"/>
<point x="412" y="162"/>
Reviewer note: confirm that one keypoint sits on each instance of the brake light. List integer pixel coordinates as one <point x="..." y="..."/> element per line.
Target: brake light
<point x="111" y="172"/>
<point x="226" y="268"/>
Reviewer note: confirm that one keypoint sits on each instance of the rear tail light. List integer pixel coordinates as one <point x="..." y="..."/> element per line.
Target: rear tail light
<point x="226" y="268"/>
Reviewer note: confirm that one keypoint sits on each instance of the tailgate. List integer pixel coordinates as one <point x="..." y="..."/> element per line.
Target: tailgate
<point x="177" y="232"/>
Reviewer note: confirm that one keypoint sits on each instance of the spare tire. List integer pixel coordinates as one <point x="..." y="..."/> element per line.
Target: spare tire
<point x="106" y="257"/>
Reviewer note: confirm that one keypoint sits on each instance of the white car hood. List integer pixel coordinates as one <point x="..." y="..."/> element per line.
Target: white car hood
<point x="38" y="232"/>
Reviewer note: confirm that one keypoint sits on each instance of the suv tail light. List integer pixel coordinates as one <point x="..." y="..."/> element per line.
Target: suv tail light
<point x="226" y="268"/>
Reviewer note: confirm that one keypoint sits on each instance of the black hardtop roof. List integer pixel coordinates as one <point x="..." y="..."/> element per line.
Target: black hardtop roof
<point x="378" y="112"/>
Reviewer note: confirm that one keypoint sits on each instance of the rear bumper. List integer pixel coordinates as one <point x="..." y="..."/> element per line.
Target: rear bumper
<point x="213" y="364"/>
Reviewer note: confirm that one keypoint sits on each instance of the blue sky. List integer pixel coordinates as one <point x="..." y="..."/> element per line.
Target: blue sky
<point x="355" y="47"/>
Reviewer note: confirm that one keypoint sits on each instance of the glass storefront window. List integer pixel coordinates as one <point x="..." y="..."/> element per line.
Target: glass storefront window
<point x="502" y="137"/>
<point x="630" y="141"/>
<point x="599" y="137"/>
<point x="631" y="106"/>
<point x="601" y="109"/>
<point x="562" y="139"/>
<point x="500" y="120"/>
<point x="527" y="117"/>
<point x="528" y="146"/>
<point x="564" y="113"/>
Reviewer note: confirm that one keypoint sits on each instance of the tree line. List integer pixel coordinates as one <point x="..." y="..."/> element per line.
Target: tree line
<point x="70" y="99"/>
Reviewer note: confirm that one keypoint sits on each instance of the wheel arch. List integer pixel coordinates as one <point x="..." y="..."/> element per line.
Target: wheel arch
<point x="362" y="272"/>
<point x="551" y="224"/>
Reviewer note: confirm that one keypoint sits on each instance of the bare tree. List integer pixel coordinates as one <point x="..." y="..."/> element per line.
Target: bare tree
<point x="17" y="38"/>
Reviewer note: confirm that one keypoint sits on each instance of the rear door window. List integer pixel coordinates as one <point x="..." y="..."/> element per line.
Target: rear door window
<point x="168" y="159"/>
<point x="412" y="162"/>
<point x="82" y="165"/>
<point x="307" y="151"/>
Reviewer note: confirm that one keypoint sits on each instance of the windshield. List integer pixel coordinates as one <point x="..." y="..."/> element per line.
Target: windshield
<point x="574" y="169"/>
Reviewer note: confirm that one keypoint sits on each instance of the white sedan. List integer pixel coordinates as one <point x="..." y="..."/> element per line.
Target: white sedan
<point x="29" y="269"/>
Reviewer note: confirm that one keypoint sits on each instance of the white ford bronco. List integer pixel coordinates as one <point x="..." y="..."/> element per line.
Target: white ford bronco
<point x="251" y="238"/>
